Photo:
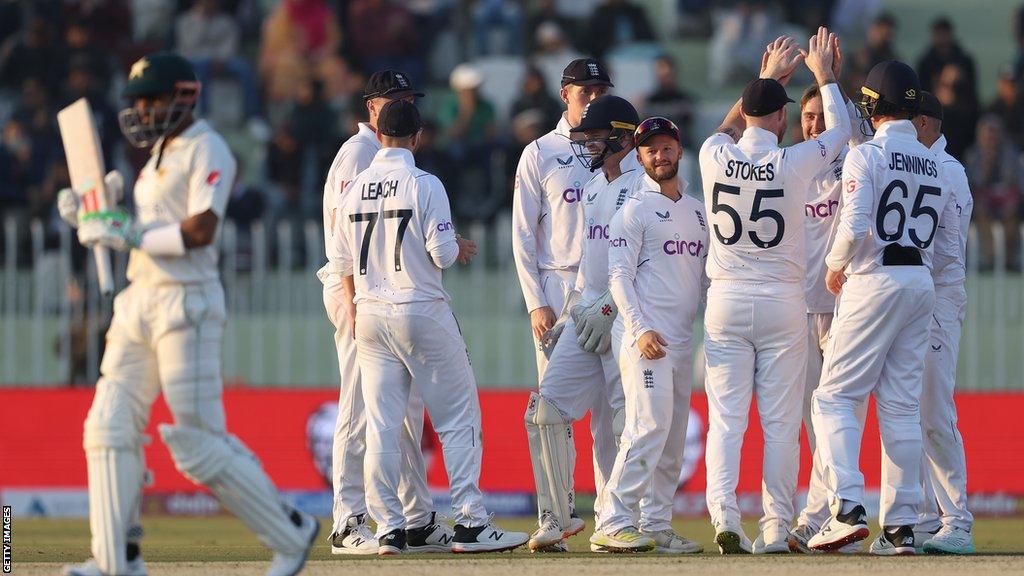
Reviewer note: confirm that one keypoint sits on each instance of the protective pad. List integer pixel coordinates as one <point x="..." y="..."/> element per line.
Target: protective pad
<point x="115" y="486"/>
<point x="553" y="454"/>
<point x="231" y="471"/>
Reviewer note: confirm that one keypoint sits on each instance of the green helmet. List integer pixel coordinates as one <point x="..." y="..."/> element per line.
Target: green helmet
<point x="158" y="74"/>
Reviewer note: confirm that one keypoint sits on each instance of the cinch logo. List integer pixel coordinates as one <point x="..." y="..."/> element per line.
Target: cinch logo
<point x="821" y="148"/>
<point x="648" y="378"/>
<point x="821" y="209"/>
<point x="682" y="247"/>
<point x="444" y="226"/>
<point x="574" y="194"/>
<point x="597" y="232"/>
<point x="617" y="243"/>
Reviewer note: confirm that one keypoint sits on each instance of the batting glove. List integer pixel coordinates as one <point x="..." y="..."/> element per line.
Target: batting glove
<point x="113" y="229"/>
<point x="594" y="331"/>
<point x="68" y="203"/>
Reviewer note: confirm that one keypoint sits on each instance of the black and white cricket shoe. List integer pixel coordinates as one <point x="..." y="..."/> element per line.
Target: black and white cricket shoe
<point x="356" y="538"/>
<point x="392" y="543"/>
<point x="894" y="541"/>
<point x="489" y="538"/>
<point x="841" y="530"/>
<point x="435" y="537"/>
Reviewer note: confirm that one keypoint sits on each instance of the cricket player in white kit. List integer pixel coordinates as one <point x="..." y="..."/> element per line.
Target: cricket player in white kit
<point x="656" y="274"/>
<point x="582" y="373"/>
<point x="896" y="213"/>
<point x="350" y="534"/>
<point x="755" y="324"/>
<point x="166" y="334"/>
<point x="944" y="523"/>
<point x="547" y="242"/>
<point x="394" y="235"/>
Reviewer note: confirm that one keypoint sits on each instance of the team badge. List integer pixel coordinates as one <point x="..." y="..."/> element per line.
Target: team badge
<point x="214" y="178"/>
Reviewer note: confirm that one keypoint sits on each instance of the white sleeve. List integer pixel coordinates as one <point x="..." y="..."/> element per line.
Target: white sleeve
<point x="711" y="146"/>
<point x="211" y="177"/>
<point x="860" y="130"/>
<point x="350" y="161"/>
<point x="855" y="214"/>
<point x="436" y="221"/>
<point x="526" y="211"/>
<point x="810" y="157"/>
<point x="341" y="247"/>
<point x="623" y="261"/>
<point x="947" y="232"/>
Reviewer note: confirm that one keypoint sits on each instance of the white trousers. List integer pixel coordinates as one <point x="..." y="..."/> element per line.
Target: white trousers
<point x="755" y="342"/>
<point x="417" y="345"/>
<point x="877" y="346"/>
<point x="577" y="381"/>
<point x="350" y="436"/>
<point x="944" y="473"/>
<point x="556" y="284"/>
<point x="650" y="456"/>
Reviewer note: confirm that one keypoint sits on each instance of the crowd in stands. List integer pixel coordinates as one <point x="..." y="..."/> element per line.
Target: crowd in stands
<point x="283" y="79"/>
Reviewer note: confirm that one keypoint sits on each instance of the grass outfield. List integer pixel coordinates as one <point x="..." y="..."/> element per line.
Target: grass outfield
<point x="187" y="546"/>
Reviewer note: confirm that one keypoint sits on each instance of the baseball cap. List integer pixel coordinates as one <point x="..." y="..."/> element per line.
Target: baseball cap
<point x="653" y="126"/>
<point x="763" y="96"/>
<point x="399" y="119"/>
<point x="894" y="83"/>
<point x="585" y="72"/>
<point x="608" y="112"/>
<point x="930" y="106"/>
<point x="389" y="84"/>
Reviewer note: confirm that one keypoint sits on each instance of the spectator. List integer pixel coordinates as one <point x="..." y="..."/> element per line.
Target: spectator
<point x="740" y="35"/>
<point x="614" y="23"/>
<point x="669" y="101"/>
<point x="547" y="12"/>
<point x="535" y="96"/>
<point x="994" y="171"/>
<point x="527" y="126"/>
<point x="960" y="109"/>
<point x="553" y="51"/>
<point x="23" y="166"/>
<point x="110" y="22"/>
<point x="36" y="113"/>
<point x="429" y="156"/>
<point x="31" y="54"/>
<point x="301" y="39"/>
<point x="878" y="48"/>
<point x="503" y="15"/>
<point x="209" y="39"/>
<point x="382" y="34"/>
<point x="81" y="84"/>
<point x="80" y="46"/>
<point x="945" y="50"/>
<point x="1009" y="105"/>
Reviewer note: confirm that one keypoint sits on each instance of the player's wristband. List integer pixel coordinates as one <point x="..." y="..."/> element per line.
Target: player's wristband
<point x="163" y="240"/>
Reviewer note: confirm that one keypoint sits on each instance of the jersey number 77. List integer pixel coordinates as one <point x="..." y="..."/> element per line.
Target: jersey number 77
<point x="404" y="215"/>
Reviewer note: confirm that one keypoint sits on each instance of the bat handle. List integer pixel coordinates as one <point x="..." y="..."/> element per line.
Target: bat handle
<point x="103" y="272"/>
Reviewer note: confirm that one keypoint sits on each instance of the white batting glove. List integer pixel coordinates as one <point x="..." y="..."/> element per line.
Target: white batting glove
<point x="115" y="230"/>
<point x="68" y="203"/>
<point x="594" y="325"/>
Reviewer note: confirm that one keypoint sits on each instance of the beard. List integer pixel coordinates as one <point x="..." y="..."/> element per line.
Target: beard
<point x="664" y="176"/>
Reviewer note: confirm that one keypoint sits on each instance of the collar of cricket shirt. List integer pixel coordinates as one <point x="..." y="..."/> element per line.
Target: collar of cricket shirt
<point x="395" y="155"/>
<point x="367" y="133"/>
<point x="652" y="186"/>
<point x="758" y="138"/>
<point x="939" y="145"/>
<point x="563" y="126"/>
<point x="197" y="127"/>
<point x="897" y="128"/>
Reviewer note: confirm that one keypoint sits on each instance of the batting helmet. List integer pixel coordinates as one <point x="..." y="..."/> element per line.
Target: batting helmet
<point x="891" y="87"/>
<point x="610" y="113"/>
<point x="155" y="75"/>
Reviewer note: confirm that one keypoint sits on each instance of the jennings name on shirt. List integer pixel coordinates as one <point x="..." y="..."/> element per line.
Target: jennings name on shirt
<point x="913" y="164"/>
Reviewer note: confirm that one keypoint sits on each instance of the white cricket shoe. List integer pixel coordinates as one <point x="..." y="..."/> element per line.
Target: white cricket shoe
<point x="950" y="540"/>
<point x="797" y="540"/>
<point x="894" y="542"/>
<point x="434" y="537"/>
<point x="556" y="548"/>
<point x="290" y="564"/>
<point x="355" y="539"/>
<point x="623" y="540"/>
<point x="922" y="535"/>
<point x="841" y="530"/>
<point x="488" y="538"/>
<point x="136" y="567"/>
<point x="550" y="532"/>
<point x="731" y="539"/>
<point x="668" y="542"/>
<point x="776" y="547"/>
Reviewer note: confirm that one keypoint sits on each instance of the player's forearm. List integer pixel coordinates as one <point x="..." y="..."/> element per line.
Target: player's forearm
<point x="837" y="119"/>
<point x="167" y="240"/>
<point x="847" y="241"/>
<point x="621" y="285"/>
<point x="529" y="274"/>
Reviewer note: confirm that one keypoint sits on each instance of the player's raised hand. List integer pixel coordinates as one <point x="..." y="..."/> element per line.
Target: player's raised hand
<point x="837" y="57"/>
<point x="820" y="55"/>
<point x="651" y="345"/>
<point x="780" y="59"/>
<point x="467" y="249"/>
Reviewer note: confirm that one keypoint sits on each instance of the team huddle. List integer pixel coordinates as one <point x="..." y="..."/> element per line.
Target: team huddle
<point x="828" y="271"/>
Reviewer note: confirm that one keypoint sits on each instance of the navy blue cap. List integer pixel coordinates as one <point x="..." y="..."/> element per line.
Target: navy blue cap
<point x="764" y="96"/>
<point x="585" y="72"/>
<point x="930" y="106"/>
<point x="399" y="119"/>
<point x="389" y="84"/>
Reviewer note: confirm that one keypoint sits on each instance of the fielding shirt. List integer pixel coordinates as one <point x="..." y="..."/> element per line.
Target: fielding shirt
<point x="196" y="174"/>
<point x="755" y="193"/>
<point x="954" y="271"/>
<point x="391" y="227"/>
<point x="547" y="212"/>
<point x="656" y="259"/>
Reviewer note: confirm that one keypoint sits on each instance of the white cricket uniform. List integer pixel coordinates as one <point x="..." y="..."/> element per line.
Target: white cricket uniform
<point x="394" y="234"/>
<point x="755" y="325"/>
<point x="350" y="429"/>
<point x="821" y="211"/>
<point x="894" y="196"/>
<point x="165" y="335"/>
<point x="944" y="476"/>
<point x="656" y="268"/>
<point x="547" y="222"/>
<point x="575" y="380"/>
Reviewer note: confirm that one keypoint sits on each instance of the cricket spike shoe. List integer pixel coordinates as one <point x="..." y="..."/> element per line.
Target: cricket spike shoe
<point x="894" y="541"/>
<point x="841" y="530"/>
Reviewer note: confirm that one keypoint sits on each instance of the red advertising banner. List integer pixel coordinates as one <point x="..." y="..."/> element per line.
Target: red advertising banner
<point x="291" y="431"/>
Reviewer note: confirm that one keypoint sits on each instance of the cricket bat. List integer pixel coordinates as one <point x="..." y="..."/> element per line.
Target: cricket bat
<point x="84" y="154"/>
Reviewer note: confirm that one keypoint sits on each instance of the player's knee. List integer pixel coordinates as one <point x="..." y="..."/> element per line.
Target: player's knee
<point x="540" y="411"/>
<point x="201" y="455"/>
<point x="195" y="398"/>
<point x="112" y="421"/>
<point x="460" y="438"/>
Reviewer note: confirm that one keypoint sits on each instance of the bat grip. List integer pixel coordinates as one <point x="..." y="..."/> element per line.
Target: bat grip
<point x="104" y="275"/>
